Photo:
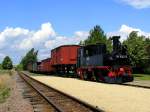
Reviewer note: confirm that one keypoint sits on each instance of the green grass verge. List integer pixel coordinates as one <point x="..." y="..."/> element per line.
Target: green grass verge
<point x="141" y="76"/>
<point x="4" y="71"/>
<point x="4" y="89"/>
<point x="4" y="94"/>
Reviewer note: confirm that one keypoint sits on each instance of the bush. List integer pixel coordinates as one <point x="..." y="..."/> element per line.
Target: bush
<point x="19" y="67"/>
<point x="147" y="70"/>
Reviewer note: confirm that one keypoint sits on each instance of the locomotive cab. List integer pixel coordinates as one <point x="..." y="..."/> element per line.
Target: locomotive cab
<point x="88" y="55"/>
<point x="90" y="64"/>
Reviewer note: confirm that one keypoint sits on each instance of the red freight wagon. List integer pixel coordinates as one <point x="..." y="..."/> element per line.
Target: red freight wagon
<point x="65" y="58"/>
<point x="46" y="66"/>
<point x="53" y="56"/>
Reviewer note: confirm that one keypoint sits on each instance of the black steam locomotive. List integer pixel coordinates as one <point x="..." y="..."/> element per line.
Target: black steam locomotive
<point x="95" y="63"/>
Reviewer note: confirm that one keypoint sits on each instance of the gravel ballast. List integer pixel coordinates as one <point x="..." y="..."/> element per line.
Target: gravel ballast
<point x="109" y="97"/>
<point x="15" y="102"/>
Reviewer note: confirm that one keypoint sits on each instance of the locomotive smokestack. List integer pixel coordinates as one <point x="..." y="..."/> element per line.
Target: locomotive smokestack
<point x="116" y="43"/>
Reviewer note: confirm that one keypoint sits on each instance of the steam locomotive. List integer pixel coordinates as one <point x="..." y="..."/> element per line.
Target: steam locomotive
<point x="96" y="64"/>
<point x="89" y="62"/>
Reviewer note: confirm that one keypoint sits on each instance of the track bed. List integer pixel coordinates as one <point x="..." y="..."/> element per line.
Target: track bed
<point x="58" y="101"/>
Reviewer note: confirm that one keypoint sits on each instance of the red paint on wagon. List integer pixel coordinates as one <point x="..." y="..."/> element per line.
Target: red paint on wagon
<point x="46" y="65"/>
<point x="66" y="54"/>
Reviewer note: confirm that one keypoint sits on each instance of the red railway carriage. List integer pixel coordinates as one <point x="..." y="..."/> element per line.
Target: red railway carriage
<point x="64" y="58"/>
<point x="37" y="67"/>
<point x="46" y="66"/>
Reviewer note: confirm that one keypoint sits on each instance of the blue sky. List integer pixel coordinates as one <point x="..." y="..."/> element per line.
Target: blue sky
<point x="45" y="24"/>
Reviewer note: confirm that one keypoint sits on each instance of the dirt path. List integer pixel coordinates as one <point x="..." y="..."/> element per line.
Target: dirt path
<point x="15" y="102"/>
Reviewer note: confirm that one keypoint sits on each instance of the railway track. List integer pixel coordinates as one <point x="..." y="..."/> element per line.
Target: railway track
<point x="57" y="100"/>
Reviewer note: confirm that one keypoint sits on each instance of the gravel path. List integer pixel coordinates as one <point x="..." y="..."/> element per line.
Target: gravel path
<point x="15" y="103"/>
<point x="109" y="97"/>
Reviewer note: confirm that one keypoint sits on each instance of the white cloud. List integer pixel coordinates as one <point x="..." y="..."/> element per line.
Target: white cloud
<point x="43" y="34"/>
<point x="25" y="44"/>
<point x="81" y="35"/>
<point x="16" y="41"/>
<point x="125" y="30"/>
<point x="10" y="33"/>
<point x="139" y="4"/>
<point x="62" y="40"/>
<point x="46" y="32"/>
<point x="14" y="32"/>
<point x="59" y="40"/>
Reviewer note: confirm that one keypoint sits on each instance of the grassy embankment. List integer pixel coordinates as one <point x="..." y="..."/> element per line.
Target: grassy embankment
<point x="4" y="89"/>
<point x="141" y="76"/>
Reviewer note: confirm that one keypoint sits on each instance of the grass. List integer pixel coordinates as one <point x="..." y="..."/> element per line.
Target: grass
<point x="4" y="89"/>
<point x="4" y="94"/>
<point x="4" y="71"/>
<point x="141" y="76"/>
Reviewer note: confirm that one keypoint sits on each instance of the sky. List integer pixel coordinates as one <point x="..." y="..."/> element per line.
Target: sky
<point x="46" y="24"/>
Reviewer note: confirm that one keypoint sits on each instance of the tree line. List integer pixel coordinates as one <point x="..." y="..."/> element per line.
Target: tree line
<point x="138" y="48"/>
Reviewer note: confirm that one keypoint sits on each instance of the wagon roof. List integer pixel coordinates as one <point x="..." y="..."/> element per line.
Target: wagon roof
<point x="65" y="46"/>
<point x="45" y="59"/>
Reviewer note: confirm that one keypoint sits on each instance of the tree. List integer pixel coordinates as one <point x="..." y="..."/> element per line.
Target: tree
<point x="97" y="35"/>
<point x="148" y="46"/>
<point x="147" y="65"/>
<point x="30" y="57"/>
<point x="137" y="48"/>
<point x="7" y="63"/>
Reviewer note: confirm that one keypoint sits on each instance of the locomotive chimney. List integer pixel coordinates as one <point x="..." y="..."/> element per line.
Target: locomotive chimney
<point x="116" y="43"/>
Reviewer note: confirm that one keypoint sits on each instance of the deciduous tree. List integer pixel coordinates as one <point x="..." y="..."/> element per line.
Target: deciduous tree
<point x="30" y="57"/>
<point x="7" y="63"/>
<point x="97" y="35"/>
